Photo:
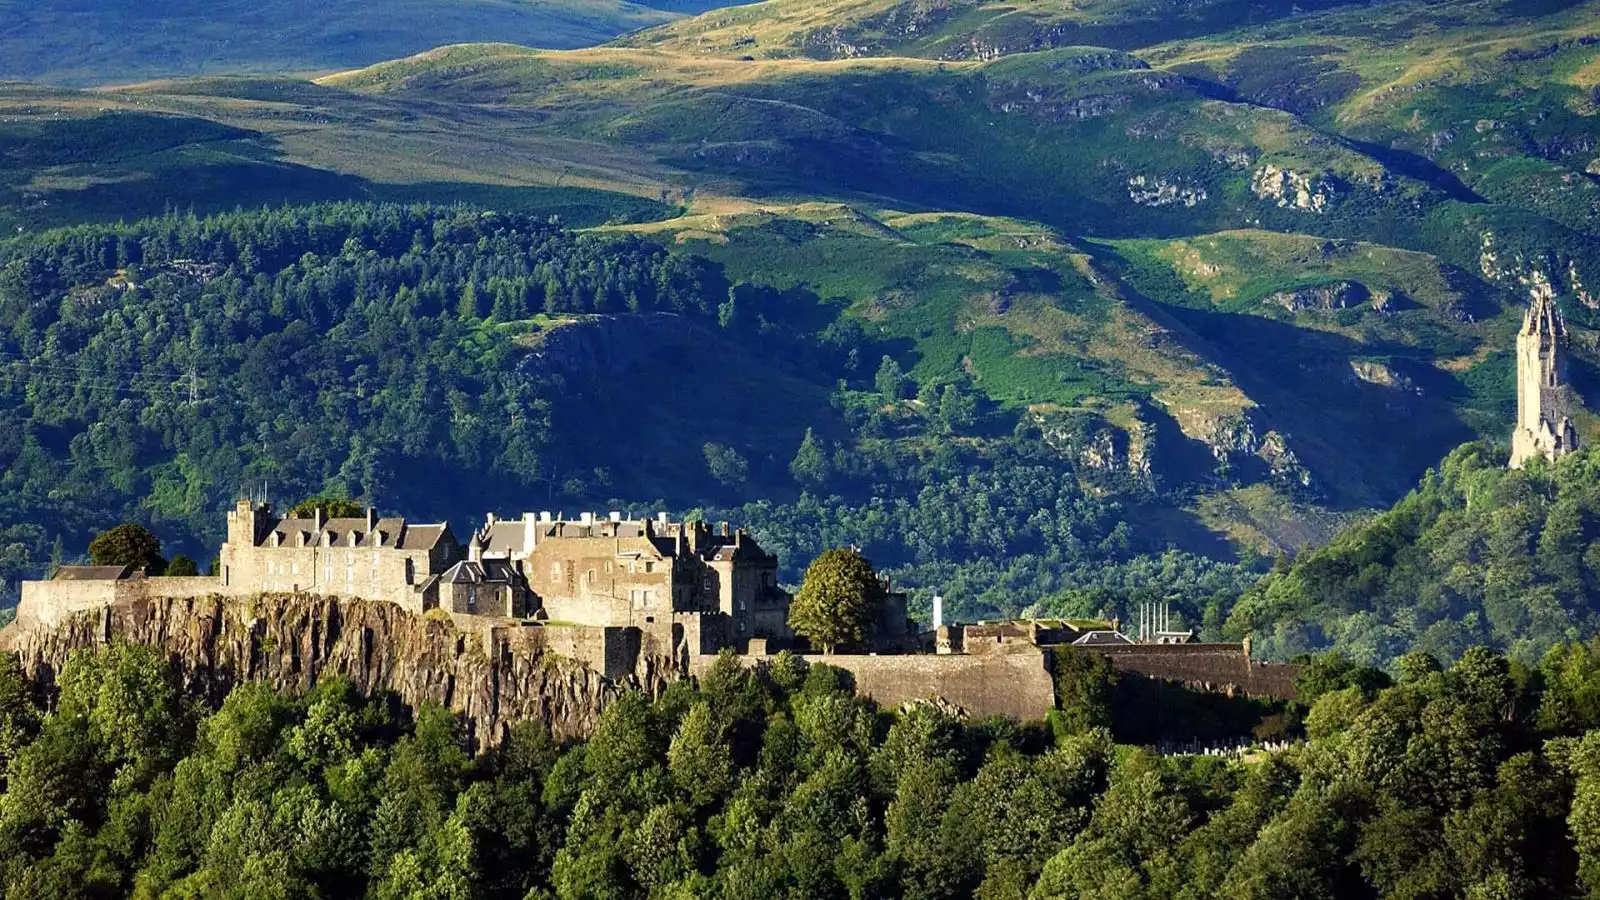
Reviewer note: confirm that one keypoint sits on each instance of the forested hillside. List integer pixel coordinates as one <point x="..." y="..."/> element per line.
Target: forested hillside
<point x="1477" y="554"/>
<point x="447" y="362"/>
<point x="1482" y="780"/>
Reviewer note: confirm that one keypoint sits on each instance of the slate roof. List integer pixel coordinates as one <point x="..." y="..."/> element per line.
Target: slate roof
<point x="490" y="571"/>
<point x="92" y="573"/>
<point x="391" y="532"/>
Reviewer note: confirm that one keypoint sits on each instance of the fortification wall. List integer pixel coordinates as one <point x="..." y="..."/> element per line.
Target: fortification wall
<point x="1015" y="684"/>
<point x="1221" y="668"/>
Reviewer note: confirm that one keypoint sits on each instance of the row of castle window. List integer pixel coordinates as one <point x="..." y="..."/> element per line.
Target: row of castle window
<point x="557" y="570"/>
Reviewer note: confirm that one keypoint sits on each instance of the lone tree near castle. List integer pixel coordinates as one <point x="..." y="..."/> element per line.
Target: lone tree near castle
<point x="838" y="599"/>
<point x="128" y="545"/>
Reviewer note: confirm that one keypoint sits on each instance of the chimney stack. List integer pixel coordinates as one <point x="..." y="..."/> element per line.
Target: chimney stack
<point x="938" y="612"/>
<point x="529" y="533"/>
<point x="372" y="518"/>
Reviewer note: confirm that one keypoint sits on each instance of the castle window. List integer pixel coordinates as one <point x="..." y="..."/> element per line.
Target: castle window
<point x="555" y="572"/>
<point x="590" y="576"/>
<point x="608" y="567"/>
<point x="472" y="598"/>
<point x="411" y="572"/>
<point x="649" y="567"/>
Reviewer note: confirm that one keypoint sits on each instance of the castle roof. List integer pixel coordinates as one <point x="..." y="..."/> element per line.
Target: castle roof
<point x="391" y="533"/>
<point x="490" y="571"/>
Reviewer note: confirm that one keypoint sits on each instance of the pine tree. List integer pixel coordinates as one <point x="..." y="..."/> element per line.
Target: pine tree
<point x="890" y="380"/>
<point x="810" y="464"/>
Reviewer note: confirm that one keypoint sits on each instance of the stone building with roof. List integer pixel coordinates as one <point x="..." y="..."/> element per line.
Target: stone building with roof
<point x="639" y="572"/>
<point x="370" y="557"/>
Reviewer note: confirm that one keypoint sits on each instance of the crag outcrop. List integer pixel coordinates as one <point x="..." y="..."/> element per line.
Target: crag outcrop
<point x="493" y="677"/>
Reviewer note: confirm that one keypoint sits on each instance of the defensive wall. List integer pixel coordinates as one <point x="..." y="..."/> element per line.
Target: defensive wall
<point x="49" y="602"/>
<point x="1217" y="668"/>
<point x="1016" y="684"/>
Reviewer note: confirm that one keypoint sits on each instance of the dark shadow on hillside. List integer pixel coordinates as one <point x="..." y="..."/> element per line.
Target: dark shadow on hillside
<point x="1415" y="165"/>
<point x="1364" y="443"/>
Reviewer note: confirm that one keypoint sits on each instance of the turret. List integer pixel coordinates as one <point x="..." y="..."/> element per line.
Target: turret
<point x="246" y="522"/>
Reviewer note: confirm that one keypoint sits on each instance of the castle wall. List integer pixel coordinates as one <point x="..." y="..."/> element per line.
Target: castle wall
<point x="595" y="581"/>
<point x="1016" y="685"/>
<point x="385" y="573"/>
<point x="1220" y="668"/>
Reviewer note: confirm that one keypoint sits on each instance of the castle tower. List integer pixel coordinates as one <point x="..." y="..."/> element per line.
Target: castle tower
<point x="1544" y="427"/>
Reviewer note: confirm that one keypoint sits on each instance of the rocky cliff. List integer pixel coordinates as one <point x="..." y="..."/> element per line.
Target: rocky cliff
<point x="493" y="677"/>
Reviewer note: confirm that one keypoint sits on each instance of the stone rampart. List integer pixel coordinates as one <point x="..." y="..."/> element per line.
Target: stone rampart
<point x="1014" y="684"/>
<point x="1219" y="668"/>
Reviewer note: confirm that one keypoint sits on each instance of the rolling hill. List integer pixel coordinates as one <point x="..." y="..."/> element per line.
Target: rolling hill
<point x="76" y="43"/>
<point x="1255" y="265"/>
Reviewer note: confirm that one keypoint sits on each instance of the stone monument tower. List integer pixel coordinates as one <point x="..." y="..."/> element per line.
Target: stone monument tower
<point x="1544" y="427"/>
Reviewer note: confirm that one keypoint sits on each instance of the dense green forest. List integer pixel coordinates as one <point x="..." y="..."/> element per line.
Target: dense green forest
<point x="444" y="362"/>
<point x="1482" y="780"/>
<point x="1477" y="554"/>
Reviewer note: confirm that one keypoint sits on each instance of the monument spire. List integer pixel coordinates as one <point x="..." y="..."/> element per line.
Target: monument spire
<point x="1544" y="426"/>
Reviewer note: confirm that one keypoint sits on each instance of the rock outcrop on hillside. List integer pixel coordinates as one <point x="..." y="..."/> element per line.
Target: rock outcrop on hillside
<point x="492" y="678"/>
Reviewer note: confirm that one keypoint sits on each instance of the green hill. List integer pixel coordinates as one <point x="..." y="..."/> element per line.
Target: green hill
<point x="119" y="42"/>
<point x="1257" y="266"/>
<point x="1476" y="554"/>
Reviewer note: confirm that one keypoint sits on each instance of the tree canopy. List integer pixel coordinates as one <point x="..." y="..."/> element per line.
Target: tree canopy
<point x="331" y="507"/>
<point x="838" y="601"/>
<point x="1476" y="779"/>
<point x="128" y="545"/>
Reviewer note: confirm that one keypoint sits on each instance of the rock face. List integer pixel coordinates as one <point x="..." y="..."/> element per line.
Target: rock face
<point x="493" y="677"/>
<point x="1331" y="296"/>
<point x="1294" y="190"/>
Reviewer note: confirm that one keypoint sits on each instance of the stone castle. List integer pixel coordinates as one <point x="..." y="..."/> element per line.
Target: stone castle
<point x="685" y="585"/>
<point x="632" y="600"/>
<point x="1544" y="424"/>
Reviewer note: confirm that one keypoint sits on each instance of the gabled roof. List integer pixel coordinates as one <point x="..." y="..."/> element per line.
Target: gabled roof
<point x="92" y="573"/>
<point x="385" y="533"/>
<point x="490" y="571"/>
<point x="422" y="537"/>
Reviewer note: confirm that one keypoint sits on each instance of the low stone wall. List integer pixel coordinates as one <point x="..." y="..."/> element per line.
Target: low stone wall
<point x="49" y="602"/>
<point x="1219" y="668"/>
<point x="1014" y="684"/>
